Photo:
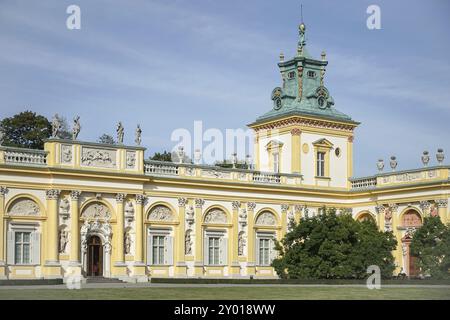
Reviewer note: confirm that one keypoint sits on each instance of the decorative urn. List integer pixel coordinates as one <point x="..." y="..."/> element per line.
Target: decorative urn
<point x="393" y="163"/>
<point x="425" y="158"/>
<point x="234" y="159"/>
<point x="440" y="156"/>
<point x="197" y="156"/>
<point x="180" y="153"/>
<point x="380" y="165"/>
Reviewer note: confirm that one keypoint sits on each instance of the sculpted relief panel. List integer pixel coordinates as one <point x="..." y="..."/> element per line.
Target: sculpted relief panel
<point x="266" y="219"/>
<point x="216" y="216"/>
<point x="92" y="157"/>
<point x="96" y="211"/>
<point x="66" y="154"/>
<point x="161" y="213"/>
<point x="24" y="207"/>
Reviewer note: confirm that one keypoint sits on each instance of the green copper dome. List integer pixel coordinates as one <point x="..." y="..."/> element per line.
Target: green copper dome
<point x="303" y="92"/>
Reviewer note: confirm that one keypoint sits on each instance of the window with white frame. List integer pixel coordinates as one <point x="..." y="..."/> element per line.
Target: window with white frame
<point x="276" y="162"/>
<point x="22" y="248"/>
<point x="215" y="248"/>
<point x="265" y="248"/>
<point x="23" y="245"/>
<point x="320" y="164"/>
<point x="159" y="247"/>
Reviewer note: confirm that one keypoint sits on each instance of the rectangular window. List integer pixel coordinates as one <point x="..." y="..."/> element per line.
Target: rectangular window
<point x="214" y="250"/>
<point x="276" y="162"/>
<point x="158" y="249"/>
<point x="22" y="246"/>
<point x="321" y="164"/>
<point x="264" y="252"/>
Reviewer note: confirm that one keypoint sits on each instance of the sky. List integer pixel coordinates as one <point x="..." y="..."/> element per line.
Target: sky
<point x="167" y="63"/>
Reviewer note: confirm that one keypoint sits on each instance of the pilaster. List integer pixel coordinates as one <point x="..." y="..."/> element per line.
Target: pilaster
<point x="198" y="263"/>
<point x="139" y="267"/>
<point x="3" y="191"/>
<point x="180" y="263"/>
<point x="52" y="267"/>
<point x="119" y="265"/>
<point x="233" y="262"/>
<point x="251" y="263"/>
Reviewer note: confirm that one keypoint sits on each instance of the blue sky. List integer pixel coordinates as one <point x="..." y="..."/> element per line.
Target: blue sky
<point x="166" y="63"/>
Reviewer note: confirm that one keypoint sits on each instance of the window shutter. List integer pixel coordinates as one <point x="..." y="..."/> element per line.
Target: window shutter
<point x="223" y="250"/>
<point x="149" y="249"/>
<point x="258" y="255"/>
<point x="10" y="248"/>
<point x="36" y="247"/>
<point x="272" y="252"/>
<point x="168" y="250"/>
<point x="206" y="250"/>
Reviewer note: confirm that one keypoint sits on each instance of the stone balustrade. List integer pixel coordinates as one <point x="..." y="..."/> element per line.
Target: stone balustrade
<point x="22" y="156"/>
<point x="405" y="177"/>
<point x="159" y="168"/>
<point x="364" y="183"/>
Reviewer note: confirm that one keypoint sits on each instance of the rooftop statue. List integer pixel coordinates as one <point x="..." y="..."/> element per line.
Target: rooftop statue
<point x="138" y="134"/>
<point x="120" y="132"/>
<point x="56" y="126"/>
<point x="76" y="127"/>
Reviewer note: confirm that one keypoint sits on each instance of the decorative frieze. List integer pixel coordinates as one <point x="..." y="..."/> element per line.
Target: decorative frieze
<point x="236" y="205"/>
<point x="284" y="207"/>
<point x="93" y="157"/>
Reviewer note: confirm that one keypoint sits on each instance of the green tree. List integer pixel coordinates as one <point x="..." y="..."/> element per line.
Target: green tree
<point x="25" y="130"/>
<point x="64" y="132"/>
<point x="106" y="139"/>
<point x="165" y="156"/>
<point x="331" y="246"/>
<point x="431" y="246"/>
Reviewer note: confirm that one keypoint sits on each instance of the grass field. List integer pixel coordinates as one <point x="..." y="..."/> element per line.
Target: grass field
<point x="226" y="293"/>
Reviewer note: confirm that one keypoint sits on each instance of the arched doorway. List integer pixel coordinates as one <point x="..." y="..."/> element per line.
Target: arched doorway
<point x="411" y="220"/>
<point x="94" y="256"/>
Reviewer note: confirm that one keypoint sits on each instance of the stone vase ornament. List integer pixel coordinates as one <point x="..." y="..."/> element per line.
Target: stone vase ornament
<point x="180" y="153"/>
<point x="380" y="165"/>
<point x="425" y="158"/>
<point x="393" y="163"/>
<point x="440" y="156"/>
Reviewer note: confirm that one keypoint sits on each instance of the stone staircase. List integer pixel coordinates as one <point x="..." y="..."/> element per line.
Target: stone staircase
<point x="98" y="279"/>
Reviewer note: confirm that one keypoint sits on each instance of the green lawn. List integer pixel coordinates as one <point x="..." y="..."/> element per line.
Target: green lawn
<point x="241" y="293"/>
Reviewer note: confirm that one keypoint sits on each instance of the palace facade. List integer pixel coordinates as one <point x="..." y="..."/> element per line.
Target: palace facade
<point x="88" y="209"/>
